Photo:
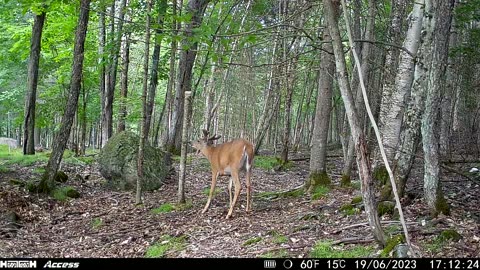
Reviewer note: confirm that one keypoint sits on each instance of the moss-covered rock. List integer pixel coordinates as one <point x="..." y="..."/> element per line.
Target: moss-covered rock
<point x="357" y="200"/>
<point x="386" y="192"/>
<point x="72" y="193"/>
<point x="441" y="206"/>
<point x="61" y="177"/>
<point x="391" y="243"/>
<point x="449" y="235"/>
<point x="118" y="163"/>
<point x="380" y="174"/>
<point x="317" y="179"/>
<point x="17" y="182"/>
<point x="346" y="181"/>
<point x="386" y="207"/>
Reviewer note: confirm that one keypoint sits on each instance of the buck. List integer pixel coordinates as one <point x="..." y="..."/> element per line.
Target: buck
<point x="225" y="159"/>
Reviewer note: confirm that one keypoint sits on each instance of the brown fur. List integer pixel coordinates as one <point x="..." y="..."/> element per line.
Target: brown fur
<point x="231" y="155"/>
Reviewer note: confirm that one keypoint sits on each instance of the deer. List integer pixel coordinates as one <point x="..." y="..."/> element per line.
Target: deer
<point x="227" y="159"/>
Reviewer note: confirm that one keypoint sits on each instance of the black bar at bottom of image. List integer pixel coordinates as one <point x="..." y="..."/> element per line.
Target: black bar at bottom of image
<point x="242" y="263"/>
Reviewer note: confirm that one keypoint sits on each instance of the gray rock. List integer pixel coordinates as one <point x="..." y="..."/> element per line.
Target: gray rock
<point x="118" y="163"/>
<point x="12" y="143"/>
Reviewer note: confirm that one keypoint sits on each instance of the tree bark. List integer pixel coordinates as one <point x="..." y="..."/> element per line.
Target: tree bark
<point x="124" y="83"/>
<point x="410" y="134"/>
<point x="363" y="162"/>
<point x="32" y="81"/>
<point x="102" y="64"/>
<point x="391" y="66"/>
<point x="143" y="125"/>
<point x="183" y="155"/>
<point x="441" y="17"/>
<point x="365" y="66"/>
<point x="47" y="183"/>
<point x="187" y="58"/>
<point x="392" y="114"/>
<point x="112" y="71"/>
<point x="318" y="153"/>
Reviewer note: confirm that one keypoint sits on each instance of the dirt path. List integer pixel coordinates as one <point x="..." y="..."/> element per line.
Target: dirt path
<point x="103" y="223"/>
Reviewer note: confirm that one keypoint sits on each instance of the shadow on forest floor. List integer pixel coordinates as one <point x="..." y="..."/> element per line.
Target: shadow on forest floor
<point x="103" y="223"/>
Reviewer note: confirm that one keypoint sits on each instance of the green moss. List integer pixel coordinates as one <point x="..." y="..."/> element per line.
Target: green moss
<point x="252" y="241"/>
<point x="380" y="174"/>
<point x="269" y="195"/>
<point x="17" y="182"/>
<point x="320" y="192"/>
<point x="349" y="209"/>
<point x="386" y="207"/>
<point x="278" y="238"/>
<point x="32" y="186"/>
<point x="391" y="243"/>
<point x="63" y="193"/>
<point x="386" y="193"/>
<point x="346" y="207"/>
<point x="164" y="208"/>
<point x="441" y="206"/>
<point x="345" y="181"/>
<point x="206" y="191"/>
<point x="449" y="235"/>
<point x="184" y="206"/>
<point x="4" y="169"/>
<point x="318" y="179"/>
<point x="165" y="244"/>
<point x="393" y="229"/>
<point x="357" y="200"/>
<point x="61" y="177"/>
<point x="324" y="249"/>
<point x="97" y="223"/>
<point x="266" y="162"/>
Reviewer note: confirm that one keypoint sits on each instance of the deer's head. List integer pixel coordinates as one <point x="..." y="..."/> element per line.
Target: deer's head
<point x="203" y="142"/>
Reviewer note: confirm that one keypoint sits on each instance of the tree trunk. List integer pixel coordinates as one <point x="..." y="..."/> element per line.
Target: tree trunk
<point x="171" y="78"/>
<point x="359" y="104"/>
<point x="318" y="152"/>
<point x="162" y="8"/>
<point x="410" y="134"/>
<point x="392" y="111"/>
<point x="124" y="83"/>
<point x="449" y="92"/>
<point x="391" y="66"/>
<point x="83" y="135"/>
<point x="271" y="100"/>
<point x="32" y="81"/>
<point x="392" y="116"/>
<point x="363" y="162"/>
<point x="112" y="70"/>
<point x="441" y="17"/>
<point x="143" y="125"/>
<point x="101" y="63"/>
<point x="183" y="155"/>
<point x="47" y="183"/>
<point x="187" y="58"/>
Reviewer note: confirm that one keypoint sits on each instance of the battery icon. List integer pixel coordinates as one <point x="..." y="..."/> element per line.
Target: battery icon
<point x="269" y="264"/>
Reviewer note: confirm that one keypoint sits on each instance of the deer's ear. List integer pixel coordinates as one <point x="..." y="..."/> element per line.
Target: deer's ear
<point x="205" y="132"/>
<point x="216" y="137"/>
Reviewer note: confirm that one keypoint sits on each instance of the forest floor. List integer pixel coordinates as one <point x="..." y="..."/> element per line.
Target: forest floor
<point x="104" y="223"/>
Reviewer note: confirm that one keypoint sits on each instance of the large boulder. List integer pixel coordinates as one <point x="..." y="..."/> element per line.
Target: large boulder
<point x="118" y="163"/>
<point x="12" y="143"/>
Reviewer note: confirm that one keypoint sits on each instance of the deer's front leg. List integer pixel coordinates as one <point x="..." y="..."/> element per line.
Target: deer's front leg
<point x="212" y="188"/>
